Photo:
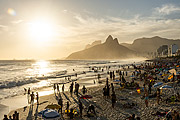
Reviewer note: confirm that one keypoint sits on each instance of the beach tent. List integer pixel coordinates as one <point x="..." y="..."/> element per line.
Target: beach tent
<point x="157" y="84"/>
<point x="53" y="106"/>
<point x="51" y="115"/>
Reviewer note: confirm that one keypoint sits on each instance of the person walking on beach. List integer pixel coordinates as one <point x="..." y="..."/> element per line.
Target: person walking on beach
<point x="76" y="88"/>
<point x="58" y="87"/>
<point x="113" y="98"/>
<point x="60" y="102"/>
<point x="63" y="87"/>
<point x="84" y="90"/>
<point x="112" y="86"/>
<point x="32" y="98"/>
<point x="29" y="95"/>
<point x="149" y="86"/>
<point x="67" y="105"/>
<point x="54" y="87"/>
<point x="80" y="107"/>
<point x="37" y="98"/>
<point x="71" y="89"/>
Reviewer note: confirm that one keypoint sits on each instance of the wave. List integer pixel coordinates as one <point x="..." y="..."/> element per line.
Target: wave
<point x="10" y="84"/>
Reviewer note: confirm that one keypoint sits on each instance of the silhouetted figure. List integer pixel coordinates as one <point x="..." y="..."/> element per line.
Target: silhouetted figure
<point x="149" y="86"/>
<point x="60" y="102"/>
<point x="16" y="115"/>
<point x="113" y="98"/>
<point x="57" y="87"/>
<point x="32" y="98"/>
<point x="67" y="105"/>
<point x="76" y="88"/>
<point x="29" y="90"/>
<point x="5" y="117"/>
<point x="71" y="89"/>
<point x="71" y="114"/>
<point x="54" y="87"/>
<point x="80" y="107"/>
<point x="63" y="87"/>
<point x="37" y="98"/>
<point x="84" y="90"/>
<point x="112" y="86"/>
<point x="91" y="109"/>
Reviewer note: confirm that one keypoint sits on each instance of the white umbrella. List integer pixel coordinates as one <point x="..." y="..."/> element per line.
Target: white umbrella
<point x="51" y="115"/>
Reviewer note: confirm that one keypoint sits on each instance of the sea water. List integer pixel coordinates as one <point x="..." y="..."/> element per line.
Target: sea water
<point x="15" y="75"/>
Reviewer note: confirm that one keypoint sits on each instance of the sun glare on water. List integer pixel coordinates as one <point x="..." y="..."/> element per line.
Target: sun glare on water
<point x="41" y="30"/>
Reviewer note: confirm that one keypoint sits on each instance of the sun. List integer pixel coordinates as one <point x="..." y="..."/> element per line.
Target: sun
<point x="41" y="30"/>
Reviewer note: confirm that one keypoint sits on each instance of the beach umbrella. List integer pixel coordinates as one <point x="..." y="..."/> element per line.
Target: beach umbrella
<point x="86" y="97"/>
<point x="53" y="106"/>
<point x="157" y="84"/>
<point x="51" y="115"/>
<point x="165" y="87"/>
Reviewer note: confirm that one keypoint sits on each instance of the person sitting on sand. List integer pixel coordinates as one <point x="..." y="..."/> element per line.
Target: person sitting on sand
<point x="91" y="109"/>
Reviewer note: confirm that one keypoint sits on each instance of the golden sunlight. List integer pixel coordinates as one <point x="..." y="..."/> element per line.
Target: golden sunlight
<point x="41" y="30"/>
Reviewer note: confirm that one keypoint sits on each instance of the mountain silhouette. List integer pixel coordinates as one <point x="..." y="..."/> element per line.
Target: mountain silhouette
<point x="110" y="49"/>
<point x="147" y="45"/>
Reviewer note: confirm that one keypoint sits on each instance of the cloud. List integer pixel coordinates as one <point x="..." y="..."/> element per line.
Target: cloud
<point x="167" y="9"/>
<point x="89" y="28"/>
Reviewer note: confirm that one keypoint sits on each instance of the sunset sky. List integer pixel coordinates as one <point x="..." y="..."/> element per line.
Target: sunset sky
<point x="52" y="29"/>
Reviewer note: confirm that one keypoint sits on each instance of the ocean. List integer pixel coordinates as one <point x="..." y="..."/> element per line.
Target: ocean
<point x="15" y="75"/>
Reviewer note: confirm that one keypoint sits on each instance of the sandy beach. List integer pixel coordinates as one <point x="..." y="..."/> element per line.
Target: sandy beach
<point x="128" y="102"/>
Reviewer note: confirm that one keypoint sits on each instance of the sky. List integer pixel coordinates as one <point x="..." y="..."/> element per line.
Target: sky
<point x="52" y="29"/>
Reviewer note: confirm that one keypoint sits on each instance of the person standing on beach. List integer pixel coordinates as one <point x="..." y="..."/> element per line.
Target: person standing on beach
<point x="37" y="98"/>
<point x="57" y="87"/>
<point x="71" y="89"/>
<point x="149" y="86"/>
<point x="28" y="95"/>
<point x="84" y="90"/>
<point x="60" y="102"/>
<point x="63" y="87"/>
<point x="113" y="98"/>
<point x="54" y="87"/>
<point x="112" y="86"/>
<point x="32" y="98"/>
<point x="80" y="107"/>
<point x="76" y="88"/>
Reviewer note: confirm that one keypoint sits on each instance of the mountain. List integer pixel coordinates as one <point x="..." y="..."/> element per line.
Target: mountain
<point x="93" y="44"/>
<point x="147" y="45"/>
<point x="110" y="49"/>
